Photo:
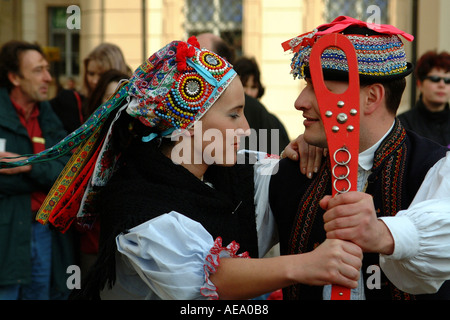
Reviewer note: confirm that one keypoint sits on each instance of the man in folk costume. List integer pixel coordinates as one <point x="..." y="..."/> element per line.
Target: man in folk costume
<point x="400" y="213"/>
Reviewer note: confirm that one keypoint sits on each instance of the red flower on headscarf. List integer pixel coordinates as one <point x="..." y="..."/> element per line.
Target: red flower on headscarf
<point x="184" y="52"/>
<point x="194" y="42"/>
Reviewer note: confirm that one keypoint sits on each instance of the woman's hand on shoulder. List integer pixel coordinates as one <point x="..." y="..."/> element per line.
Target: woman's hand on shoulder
<point x="310" y="157"/>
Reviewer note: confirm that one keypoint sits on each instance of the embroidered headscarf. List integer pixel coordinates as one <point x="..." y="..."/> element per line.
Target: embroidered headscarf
<point x="379" y="49"/>
<point x="169" y="92"/>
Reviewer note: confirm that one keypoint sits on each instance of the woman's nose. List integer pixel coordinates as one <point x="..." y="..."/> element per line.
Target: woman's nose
<point x="244" y="129"/>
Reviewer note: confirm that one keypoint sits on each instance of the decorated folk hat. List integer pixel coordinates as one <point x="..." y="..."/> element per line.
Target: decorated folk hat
<point x="177" y="85"/>
<point x="379" y="49"/>
<point x="169" y="92"/>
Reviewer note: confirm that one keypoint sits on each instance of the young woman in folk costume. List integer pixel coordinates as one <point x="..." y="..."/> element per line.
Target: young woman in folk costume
<point x="179" y="220"/>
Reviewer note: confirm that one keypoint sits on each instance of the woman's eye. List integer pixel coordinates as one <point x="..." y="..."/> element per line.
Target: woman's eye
<point x="234" y="115"/>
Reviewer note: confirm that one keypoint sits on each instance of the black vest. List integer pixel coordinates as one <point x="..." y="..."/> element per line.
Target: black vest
<point x="400" y="165"/>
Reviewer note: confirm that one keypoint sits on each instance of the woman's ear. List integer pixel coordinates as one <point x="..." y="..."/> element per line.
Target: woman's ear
<point x="419" y="85"/>
<point x="372" y="98"/>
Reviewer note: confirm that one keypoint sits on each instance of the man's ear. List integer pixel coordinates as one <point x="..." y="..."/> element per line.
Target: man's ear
<point x="13" y="78"/>
<point x="373" y="97"/>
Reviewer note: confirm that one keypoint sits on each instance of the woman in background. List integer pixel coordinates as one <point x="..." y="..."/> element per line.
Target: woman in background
<point x="248" y="71"/>
<point x="70" y="104"/>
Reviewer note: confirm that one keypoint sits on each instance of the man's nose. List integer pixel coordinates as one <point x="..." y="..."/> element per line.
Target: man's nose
<point x="301" y="103"/>
<point x="47" y="76"/>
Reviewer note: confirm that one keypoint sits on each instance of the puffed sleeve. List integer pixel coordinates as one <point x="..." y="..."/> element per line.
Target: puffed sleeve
<point x="421" y="259"/>
<point x="174" y="256"/>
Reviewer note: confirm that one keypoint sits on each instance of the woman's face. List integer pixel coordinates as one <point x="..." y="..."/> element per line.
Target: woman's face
<point x="93" y="73"/>
<point x="223" y="126"/>
<point x="250" y="87"/>
<point x="435" y="95"/>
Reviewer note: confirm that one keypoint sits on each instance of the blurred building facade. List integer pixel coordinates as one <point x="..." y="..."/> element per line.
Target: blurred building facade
<point x="255" y="27"/>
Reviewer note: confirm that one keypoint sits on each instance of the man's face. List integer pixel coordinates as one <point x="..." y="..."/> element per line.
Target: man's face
<point x="307" y="103"/>
<point x="34" y="78"/>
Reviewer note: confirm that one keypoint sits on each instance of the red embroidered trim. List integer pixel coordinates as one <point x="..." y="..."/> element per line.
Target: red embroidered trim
<point x="272" y="156"/>
<point x="212" y="262"/>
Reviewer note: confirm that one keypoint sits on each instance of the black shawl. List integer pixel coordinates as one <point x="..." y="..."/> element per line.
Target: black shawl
<point x="149" y="184"/>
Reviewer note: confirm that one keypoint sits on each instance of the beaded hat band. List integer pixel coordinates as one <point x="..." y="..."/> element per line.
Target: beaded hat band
<point x="380" y="51"/>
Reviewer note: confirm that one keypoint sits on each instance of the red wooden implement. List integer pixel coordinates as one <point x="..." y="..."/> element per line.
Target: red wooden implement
<point x="340" y="117"/>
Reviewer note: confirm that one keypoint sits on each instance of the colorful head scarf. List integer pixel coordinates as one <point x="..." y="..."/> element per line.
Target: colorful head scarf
<point x="177" y="85"/>
<point x="379" y="49"/>
<point x="169" y="92"/>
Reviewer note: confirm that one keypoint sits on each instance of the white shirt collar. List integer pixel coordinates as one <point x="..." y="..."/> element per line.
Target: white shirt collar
<point x="365" y="159"/>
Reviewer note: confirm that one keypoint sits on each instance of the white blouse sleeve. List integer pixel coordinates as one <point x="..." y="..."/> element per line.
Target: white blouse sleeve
<point x="421" y="259"/>
<point x="174" y="256"/>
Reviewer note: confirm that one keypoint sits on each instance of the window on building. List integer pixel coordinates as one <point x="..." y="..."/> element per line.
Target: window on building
<point x="358" y="9"/>
<point x="220" y="17"/>
<point x="67" y="42"/>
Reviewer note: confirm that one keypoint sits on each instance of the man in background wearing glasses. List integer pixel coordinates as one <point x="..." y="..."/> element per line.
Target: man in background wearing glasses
<point x="431" y="115"/>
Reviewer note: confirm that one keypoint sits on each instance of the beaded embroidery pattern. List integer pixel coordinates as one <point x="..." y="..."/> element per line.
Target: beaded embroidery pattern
<point x="166" y="103"/>
<point x="377" y="56"/>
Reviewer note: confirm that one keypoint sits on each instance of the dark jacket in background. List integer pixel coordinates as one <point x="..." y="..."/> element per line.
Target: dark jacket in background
<point x="259" y="119"/>
<point x="15" y="197"/>
<point x="432" y="125"/>
<point x="68" y="106"/>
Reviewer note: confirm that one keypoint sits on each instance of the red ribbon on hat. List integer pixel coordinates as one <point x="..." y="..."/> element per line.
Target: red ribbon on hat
<point x="341" y="23"/>
<point x="184" y="52"/>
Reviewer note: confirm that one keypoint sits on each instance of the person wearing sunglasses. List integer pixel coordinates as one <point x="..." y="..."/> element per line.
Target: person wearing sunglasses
<point x="431" y="115"/>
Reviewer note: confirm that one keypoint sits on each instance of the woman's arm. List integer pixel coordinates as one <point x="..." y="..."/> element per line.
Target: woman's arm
<point x="178" y="259"/>
<point x="333" y="262"/>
